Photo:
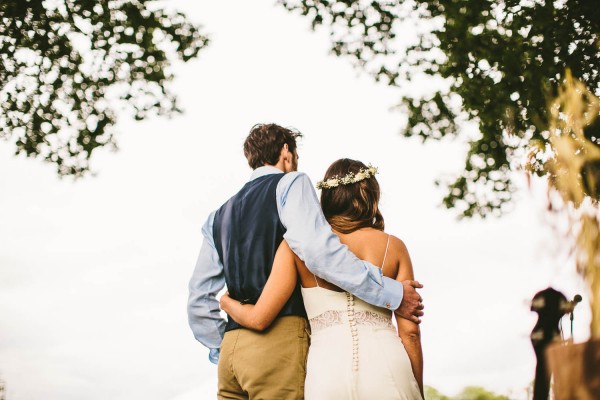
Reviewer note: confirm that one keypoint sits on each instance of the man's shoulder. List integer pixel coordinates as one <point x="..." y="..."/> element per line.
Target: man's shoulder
<point x="239" y="192"/>
<point x="297" y="174"/>
<point x="294" y="177"/>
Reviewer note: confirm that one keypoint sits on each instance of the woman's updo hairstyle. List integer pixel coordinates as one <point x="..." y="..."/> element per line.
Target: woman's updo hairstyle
<point x="350" y="207"/>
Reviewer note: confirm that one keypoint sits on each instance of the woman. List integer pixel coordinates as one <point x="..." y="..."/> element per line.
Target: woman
<point x="355" y="351"/>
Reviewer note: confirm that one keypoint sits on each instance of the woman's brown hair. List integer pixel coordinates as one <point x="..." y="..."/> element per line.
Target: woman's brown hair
<point x="354" y="206"/>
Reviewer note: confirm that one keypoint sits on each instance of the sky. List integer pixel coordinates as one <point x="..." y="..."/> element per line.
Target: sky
<point x="94" y="272"/>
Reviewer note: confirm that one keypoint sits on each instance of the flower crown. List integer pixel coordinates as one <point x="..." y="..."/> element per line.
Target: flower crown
<point x="348" y="179"/>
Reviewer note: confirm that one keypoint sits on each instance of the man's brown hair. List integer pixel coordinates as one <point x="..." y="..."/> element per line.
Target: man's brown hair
<point x="265" y="141"/>
<point x="348" y="208"/>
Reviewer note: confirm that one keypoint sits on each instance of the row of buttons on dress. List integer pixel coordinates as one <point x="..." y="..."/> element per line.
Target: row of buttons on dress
<point x="353" y="330"/>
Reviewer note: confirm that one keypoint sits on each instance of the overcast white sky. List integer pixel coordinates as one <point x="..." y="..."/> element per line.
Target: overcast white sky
<point x="93" y="273"/>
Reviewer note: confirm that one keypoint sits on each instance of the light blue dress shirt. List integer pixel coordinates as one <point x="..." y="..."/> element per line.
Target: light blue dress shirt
<point x="309" y="235"/>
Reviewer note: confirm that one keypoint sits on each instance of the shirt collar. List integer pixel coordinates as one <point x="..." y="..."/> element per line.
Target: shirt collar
<point x="265" y="170"/>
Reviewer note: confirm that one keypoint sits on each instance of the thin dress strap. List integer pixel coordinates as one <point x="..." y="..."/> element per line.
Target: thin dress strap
<point x="316" y="280"/>
<point x="386" y="251"/>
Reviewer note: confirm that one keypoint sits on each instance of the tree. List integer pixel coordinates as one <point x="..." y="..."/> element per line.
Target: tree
<point x="468" y="393"/>
<point x="67" y="67"/>
<point x="434" y="394"/>
<point x="479" y="393"/>
<point x="498" y="64"/>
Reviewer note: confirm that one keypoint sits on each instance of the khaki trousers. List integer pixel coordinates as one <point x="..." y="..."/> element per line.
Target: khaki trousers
<point x="268" y="365"/>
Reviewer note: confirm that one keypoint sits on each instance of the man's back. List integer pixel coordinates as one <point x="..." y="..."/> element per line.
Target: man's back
<point x="247" y="232"/>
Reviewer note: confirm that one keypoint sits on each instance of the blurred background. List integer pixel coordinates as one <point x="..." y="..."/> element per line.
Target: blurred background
<point x="94" y="269"/>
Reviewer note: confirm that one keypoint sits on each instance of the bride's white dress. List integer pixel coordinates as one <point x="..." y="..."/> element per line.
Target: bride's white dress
<point x="355" y="352"/>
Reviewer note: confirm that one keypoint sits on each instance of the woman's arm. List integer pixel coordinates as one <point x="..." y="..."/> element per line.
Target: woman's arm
<point x="407" y="330"/>
<point x="277" y="291"/>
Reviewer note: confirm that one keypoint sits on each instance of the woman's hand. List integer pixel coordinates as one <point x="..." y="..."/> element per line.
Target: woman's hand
<point x="277" y="291"/>
<point x="225" y="301"/>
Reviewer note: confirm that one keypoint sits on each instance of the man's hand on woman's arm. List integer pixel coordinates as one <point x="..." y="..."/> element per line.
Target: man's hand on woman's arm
<point x="411" y="307"/>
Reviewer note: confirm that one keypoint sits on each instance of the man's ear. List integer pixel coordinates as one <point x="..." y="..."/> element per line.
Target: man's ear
<point x="285" y="150"/>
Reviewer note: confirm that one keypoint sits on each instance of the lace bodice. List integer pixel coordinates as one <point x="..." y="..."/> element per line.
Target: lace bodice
<point x="326" y="308"/>
<point x="364" y="317"/>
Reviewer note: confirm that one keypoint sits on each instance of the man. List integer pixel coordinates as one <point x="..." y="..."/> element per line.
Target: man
<point x="240" y="241"/>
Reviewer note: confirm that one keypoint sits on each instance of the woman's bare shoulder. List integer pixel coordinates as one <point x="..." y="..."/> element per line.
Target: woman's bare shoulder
<point x="399" y="249"/>
<point x="398" y="244"/>
<point x="405" y="267"/>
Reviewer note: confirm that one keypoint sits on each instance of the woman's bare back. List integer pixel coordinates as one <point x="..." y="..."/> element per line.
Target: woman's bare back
<point x="367" y="244"/>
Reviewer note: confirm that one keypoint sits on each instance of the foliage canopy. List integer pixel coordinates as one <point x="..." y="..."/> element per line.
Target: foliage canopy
<point x="497" y="64"/>
<point x="66" y="65"/>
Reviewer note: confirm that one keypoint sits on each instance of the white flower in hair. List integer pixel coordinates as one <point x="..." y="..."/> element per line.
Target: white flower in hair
<point x="332" y="182"/>
<point x="349" y="178"/>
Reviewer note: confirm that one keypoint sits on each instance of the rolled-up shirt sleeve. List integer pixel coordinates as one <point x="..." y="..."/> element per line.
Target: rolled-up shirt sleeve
<point x="204" y="314"/>
<point x="310" y="236"/>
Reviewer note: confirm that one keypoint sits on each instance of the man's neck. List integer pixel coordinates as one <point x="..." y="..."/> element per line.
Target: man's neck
<point x="279" y="166"/>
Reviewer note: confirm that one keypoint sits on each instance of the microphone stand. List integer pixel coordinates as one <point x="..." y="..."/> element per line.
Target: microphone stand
<point x="572" y="317"/>
<point x="574" y="302"/>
